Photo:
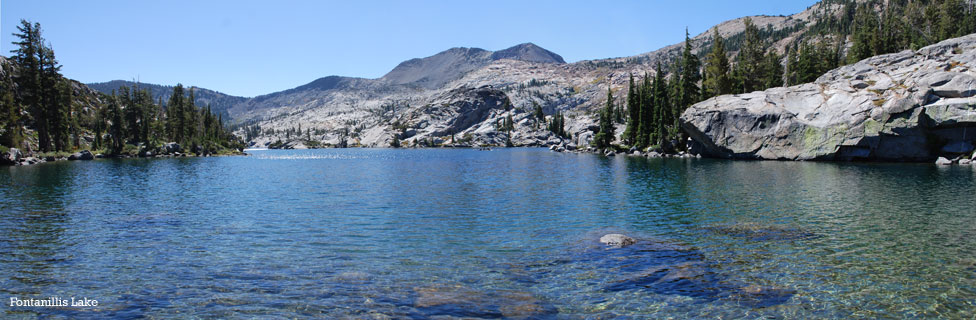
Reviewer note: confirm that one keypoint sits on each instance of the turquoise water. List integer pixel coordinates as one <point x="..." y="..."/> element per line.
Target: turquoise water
<point x="379" y="234"/>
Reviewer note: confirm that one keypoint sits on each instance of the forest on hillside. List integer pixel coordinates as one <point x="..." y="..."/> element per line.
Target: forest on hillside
<point x="45" y="113"/>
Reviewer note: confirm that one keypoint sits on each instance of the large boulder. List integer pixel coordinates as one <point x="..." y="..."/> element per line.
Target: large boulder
<point x="171" y="148"/>
<point x="82" y="155"/>
<point x="903" y="106"/>
<point x="11" y="157"/>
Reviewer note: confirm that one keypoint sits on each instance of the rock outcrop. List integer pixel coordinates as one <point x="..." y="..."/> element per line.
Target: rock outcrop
<point x="906" y="106"/>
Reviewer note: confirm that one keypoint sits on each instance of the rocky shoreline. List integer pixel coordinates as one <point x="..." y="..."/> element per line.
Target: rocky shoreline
<point x="16" y="157"/>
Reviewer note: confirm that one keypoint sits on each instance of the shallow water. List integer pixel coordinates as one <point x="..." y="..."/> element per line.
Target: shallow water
<point x="372" y="233"/>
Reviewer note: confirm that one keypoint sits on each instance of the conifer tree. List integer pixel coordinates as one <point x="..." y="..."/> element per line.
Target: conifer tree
<point x="791" y="66"/>
<point x="717" y="80"/>
<point x="176" y="121"/>
<point x="117" y="127"/>
<point x="55" y="104"/>
<point x="865" y="30"/>
<point x="750" y="59"/>
<point x="689" y="75"/>
<point x="539" y="115"/>
<point x="192" y="120"/>
<point x="60" y="112"/>
<point x="772" y="70"/>
<point x="10" y="127"/>
<point x="648" y="112"/>
<point x="633" y="113"/>
<point x="952" y="13"/>
<point x="662" y="105"/>
<point x="605" y="137"/>
<point x="27" y="57"/>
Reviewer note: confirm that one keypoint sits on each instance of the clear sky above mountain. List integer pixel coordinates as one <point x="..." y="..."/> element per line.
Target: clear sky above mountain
<point x="250" y="48"/>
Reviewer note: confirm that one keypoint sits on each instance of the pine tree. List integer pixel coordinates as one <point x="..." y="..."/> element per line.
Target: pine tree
<point x="806" y="64"/>
<point x="192" y="119"/>
<point x="117" y="127"/>
<point x="717" y="80"/>
<point x="648" y="112"/>
<point x="10" y="126"/>
<point x="539" y="115"/>
<point x="396" y="141"/>
<point x="633" y="113"/>
<point x="148" y="110"/>
<point x="556" y="125"/>
<point x="953" y="12"/>
<point x="865" y="34"/>
<point x="773" y="71"/>
<point x="688" y="91"/>
<point x="750" y="58"/>
<point x="661" y="106"/>
<point x="61" y="115"/>
<point x="605" y="136"/>
<point x="175" y="120"/>
<point x="55" y="104"/>
<point x="27" y="57"/>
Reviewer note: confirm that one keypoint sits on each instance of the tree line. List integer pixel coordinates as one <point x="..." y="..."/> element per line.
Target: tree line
<point x="119" y="121"/>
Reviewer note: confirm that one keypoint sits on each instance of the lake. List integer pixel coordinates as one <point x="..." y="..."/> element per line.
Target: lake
<point x="387" y="233"/>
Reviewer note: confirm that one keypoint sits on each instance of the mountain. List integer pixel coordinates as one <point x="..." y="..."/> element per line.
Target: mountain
<point x="418" y="101"/>
<point x="335" y="94"/>
<point x="437" y="70"/>
<point x="218" y="102"/>
<point x="528" y="52"/>
<point x="407" y="101"/>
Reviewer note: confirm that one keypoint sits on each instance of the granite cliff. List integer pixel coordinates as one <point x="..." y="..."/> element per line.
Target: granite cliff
<point x="905" y="106"/>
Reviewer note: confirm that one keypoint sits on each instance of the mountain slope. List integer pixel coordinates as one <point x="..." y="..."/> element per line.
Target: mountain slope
<point x="528" y="52"/>
<point x="218" y="102"/>
<point x="437" y="70"/>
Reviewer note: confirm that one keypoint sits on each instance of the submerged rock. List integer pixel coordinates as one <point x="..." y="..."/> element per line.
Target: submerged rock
<point x="757" y="296"/>
<point x="617" y="240"/>
<point x="461" y="301"/>
<point x="352" y="277"/>
<point x="755" y="231"/>
<point x="655" y="266"/>
<point x="690" y="279"/>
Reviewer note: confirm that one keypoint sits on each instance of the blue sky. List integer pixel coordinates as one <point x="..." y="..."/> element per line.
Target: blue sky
<point x="250" y="48"/>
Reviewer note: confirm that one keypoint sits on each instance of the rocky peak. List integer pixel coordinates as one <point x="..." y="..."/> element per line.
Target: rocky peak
<point x="528" y="52"/>
<point x="436" y="70"/>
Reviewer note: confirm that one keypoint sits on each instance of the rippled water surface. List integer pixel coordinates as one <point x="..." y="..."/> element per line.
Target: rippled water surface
<point x="370" y="233"/>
